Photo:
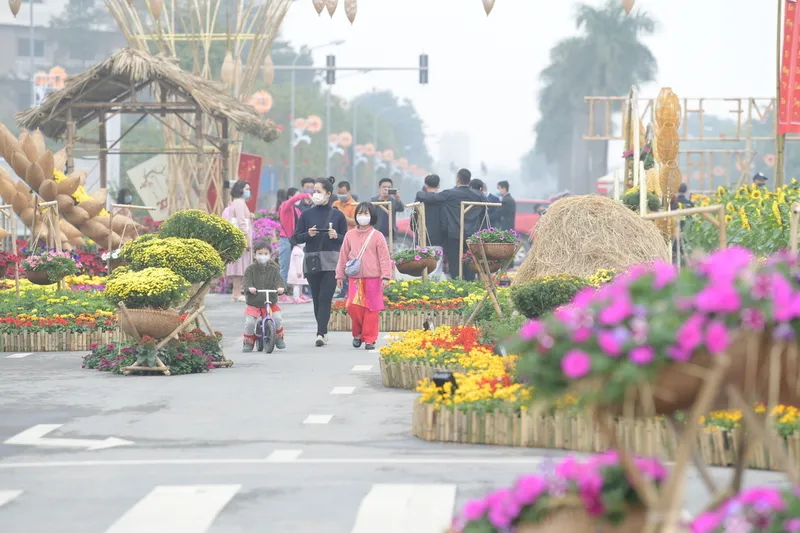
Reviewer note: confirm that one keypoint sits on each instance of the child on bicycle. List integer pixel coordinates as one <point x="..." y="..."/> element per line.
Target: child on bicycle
<point x="262" y="275"/>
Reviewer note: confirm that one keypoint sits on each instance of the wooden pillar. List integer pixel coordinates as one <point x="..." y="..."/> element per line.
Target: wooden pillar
<point x="225" y="172"/>
<point x="103" y="150"/>
<point x="70" y="146"/>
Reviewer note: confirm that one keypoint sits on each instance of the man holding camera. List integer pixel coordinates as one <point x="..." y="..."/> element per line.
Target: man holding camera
<point x="388" y="194"/>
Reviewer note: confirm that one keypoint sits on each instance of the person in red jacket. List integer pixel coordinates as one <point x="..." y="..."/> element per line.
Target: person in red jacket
<point x="288" y="213"/>
<point x="365" y="293"/>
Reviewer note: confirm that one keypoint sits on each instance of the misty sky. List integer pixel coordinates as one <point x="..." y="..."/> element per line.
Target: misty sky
<point x="484" y="71"/>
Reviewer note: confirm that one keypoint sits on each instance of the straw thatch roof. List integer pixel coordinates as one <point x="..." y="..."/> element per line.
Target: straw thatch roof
<point x="113" y="80"/>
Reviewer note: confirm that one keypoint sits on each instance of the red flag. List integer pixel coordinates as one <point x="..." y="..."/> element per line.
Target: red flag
<point x="789" y="96"/>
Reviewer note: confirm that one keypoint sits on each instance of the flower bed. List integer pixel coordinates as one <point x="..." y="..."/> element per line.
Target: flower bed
<point x="571" y="496"/>
<point x="418" y="354"/>
<point x="767" y="509"/>
<point x="192" y="352"/>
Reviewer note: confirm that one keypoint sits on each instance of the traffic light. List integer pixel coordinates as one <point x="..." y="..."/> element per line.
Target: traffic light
<point x="423" y="69"/>
<point x="330" y="74"/>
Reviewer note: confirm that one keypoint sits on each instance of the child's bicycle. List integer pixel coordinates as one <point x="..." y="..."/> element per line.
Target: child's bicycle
<point x="266" y="332"/>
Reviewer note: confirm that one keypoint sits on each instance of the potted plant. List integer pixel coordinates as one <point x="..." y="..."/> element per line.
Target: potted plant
<point x="651" y="323"/>
<point x="148" y="296"/>
<point x="575" y="496"/>
<point x="414" y="261"/>
<point x="229" y="241"/>
<point x="768" y="509"/>
<point x="498" y="244"/>
<point x="45" y="267"/>
<point x="7" y="261"/>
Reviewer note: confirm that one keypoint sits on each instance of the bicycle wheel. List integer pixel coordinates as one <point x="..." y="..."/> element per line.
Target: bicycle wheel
<point x="259" y="336"/>
<point x="269" y="336"/>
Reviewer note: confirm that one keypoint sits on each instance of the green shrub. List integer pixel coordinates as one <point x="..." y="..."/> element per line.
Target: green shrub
<point x="487" y="312"/>
<point x="194" y="260"/>
<point x="546" y="293"/>
<point x="496" y="330"/>
<point x="229" y="241"/>
<point x="631" y="200"/>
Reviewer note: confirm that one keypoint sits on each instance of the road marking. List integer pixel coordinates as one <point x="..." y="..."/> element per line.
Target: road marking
<point x="519" y="461"/>
<point x="35" y="437"/>
<point x="318" y="419"/>
<point x="7" y="496"/>
<point x="284" y="456"/>
<point x="343" y="390"/>
<point x="176" y="509"/>
<point x="361" y="368"/>
<point x="18" y="355"/>
<point x="374" y="351"/>
<point x="406" y="509"/>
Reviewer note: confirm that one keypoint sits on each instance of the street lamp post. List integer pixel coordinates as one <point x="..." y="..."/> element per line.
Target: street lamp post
<point x="375" y="135"/>
<point x="292" y="103"/>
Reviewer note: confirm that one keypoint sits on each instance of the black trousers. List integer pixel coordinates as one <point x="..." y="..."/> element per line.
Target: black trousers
<point x="323" y="285"/>
<point x="454" y="260"/>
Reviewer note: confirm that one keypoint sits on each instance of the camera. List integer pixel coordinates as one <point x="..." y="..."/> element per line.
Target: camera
<point x="392" y="192"/>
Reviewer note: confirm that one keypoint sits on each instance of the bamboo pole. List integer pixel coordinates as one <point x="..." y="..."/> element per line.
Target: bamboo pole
<point x="465" y="207"/>
<point x="9" y="211"/>
<point x="794" y="221"/>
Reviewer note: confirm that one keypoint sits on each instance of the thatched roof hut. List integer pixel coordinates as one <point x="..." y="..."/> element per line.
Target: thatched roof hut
<point x="121" y="76"/>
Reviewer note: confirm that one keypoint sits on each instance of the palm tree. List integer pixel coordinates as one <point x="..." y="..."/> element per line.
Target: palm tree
<point x="604" y="60"/>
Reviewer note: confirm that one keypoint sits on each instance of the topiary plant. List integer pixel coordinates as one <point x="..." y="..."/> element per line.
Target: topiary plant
<point x="229" y="241"/>
<point x="154" y="288"/>
<point x="194" y="260"/>
<point x="130" y="247"/>
<point x="546" y="293"/>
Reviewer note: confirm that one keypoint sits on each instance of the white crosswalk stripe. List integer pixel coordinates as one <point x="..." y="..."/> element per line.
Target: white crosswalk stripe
<point x="7" y="496"/>
<point x="406" y="509"/>
<point x="176" y="509"/>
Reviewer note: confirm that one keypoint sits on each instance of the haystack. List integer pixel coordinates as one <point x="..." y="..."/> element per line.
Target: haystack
<point x="582" y="234"/>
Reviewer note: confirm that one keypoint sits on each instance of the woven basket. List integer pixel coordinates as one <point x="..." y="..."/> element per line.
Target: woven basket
<point x="574" y="519"/>
<point x="40" y="278"/>
<point x="156" y="323"/>
<point x="494" y="266"/>
<point x="415" y="268"/>
<point x="495" y="251"/>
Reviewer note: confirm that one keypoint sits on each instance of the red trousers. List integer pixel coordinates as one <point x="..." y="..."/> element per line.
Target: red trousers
<point x="365" y="323"/>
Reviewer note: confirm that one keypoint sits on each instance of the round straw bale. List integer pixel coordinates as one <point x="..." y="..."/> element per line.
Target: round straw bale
<point x="582" y="234"/>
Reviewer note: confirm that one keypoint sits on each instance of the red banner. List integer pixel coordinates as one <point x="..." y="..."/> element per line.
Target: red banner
<point x="249" y="171"/>
<point x="789" y="97"/>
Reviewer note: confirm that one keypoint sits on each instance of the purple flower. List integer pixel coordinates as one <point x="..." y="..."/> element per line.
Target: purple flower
<point x="576" y="364"/>
<point x="609" y="343"/>
<point x="706" y="523"/>
<point x="642" y="355"/>
<point x="753" y="318"/>
<point x="530" y="330"/>
<point x="528" y="489"/>
<point x="619" y="310"/>
<point x="475" y="509"/>
<point x="717" y="339"/>
<point x="793" y="525"/>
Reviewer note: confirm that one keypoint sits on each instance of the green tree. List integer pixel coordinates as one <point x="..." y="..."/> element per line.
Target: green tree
<point x="604" y="60"/>
<point x="83" y="30"/>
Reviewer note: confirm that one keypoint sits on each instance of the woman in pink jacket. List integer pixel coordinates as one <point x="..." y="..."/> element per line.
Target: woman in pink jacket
<point x="364" y="257"/>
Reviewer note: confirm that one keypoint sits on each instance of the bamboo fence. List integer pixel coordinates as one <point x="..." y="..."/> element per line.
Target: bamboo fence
<point x="406" y="375"/>
<point x="397" y="321"/>
<point x="62" y="341"/>
<point x="580" y="433"/>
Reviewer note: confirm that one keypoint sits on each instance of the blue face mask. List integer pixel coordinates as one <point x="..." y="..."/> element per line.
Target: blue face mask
<point x="246" y="195"/>
<point x="128" y="199"/>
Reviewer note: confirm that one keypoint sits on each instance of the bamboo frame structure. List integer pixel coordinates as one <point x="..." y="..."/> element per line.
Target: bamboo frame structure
<point x="122" y="233"/>
<point x="387" y="208"/>
<point x="465" y="207"/>
<point x="481" y="265"/>
<point x="421" y="233"/>
<point x="8" y="211"/>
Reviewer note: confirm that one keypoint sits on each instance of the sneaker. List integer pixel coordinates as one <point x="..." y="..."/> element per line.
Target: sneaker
<point x="357" y="343"/>
<point x="369" y="347"/>
<point x="247" y="347"/>
<point x="280" y="344"/>
<point x="285" y="299"/>
<point x="320" y="341"/>
<point x="303" y="299"/>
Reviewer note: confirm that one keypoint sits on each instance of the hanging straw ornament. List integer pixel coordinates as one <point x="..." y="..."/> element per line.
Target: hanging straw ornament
<point x="319" y="5"/>
<point x="350" y="9"/>
<point x="488" y="5"/>
<point x="156" y="7"/>
<point x="268" y="71"/>
<point x="332" y="4"/>
<point x="14" y="5"/>
<point x="231" y="71"/>
<point x="627" y="5"/>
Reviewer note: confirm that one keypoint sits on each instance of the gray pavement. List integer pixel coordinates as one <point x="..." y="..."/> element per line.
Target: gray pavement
<point x="231" y="450"/>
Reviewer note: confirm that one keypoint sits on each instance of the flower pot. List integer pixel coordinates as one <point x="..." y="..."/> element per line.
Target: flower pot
<point x="577" y="520"/>
<point x="496" y="251"/>
<point x="415" y="268"/>
<point x="156" y="323"/>
<point x="40" y="277"/>
<point x="494" y="266"/>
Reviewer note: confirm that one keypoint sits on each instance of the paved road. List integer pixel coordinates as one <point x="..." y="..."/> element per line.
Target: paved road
<point x="303" y="441"/>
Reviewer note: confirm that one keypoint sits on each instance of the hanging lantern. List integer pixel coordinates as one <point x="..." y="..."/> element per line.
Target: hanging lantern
<point x="350" y="9"/>
<point x="331" y="4"/>
<point x="156" y="6"/>
<point x="268" y="71"/>
<point x="345" y="139"/>
<point x="388" y="154"/>
<point x="488" y="5"/>
<point x="319" y="5"/>
<point x="314" y="124"/>
<point x="627" y="5"/>
<point x="14" y="5"/>
<point x="231" y="71"/>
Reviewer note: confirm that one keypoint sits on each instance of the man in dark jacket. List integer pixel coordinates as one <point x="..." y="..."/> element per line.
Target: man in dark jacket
<point x="386" y="185"/>
<point x="507" y="214"/>
<point x="433" y="213"/>
<point x="450" y="202"/>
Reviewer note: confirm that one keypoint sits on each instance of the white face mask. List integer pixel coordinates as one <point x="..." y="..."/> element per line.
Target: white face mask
<point x="318" y="198"/>
<point x="363" y="220"/>
<point x="262" y="259"/>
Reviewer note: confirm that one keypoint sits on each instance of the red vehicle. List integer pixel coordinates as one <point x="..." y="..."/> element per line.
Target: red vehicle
<point x="528" y="213"/>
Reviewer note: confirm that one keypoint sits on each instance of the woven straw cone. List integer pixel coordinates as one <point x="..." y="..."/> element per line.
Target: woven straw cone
<point x="668" y="107"/>
<point x="670" y="178"/>
<point x="668" y="142"/>
<point x="156" y="323"/>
